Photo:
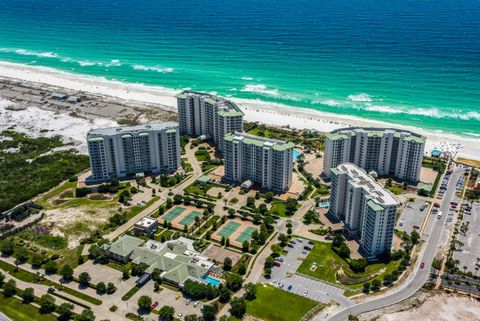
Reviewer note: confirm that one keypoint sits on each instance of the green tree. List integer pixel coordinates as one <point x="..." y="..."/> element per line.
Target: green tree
<point x="250" y="291"/>
<point x="191" y="317"/>
<point x="66" y="272"/>
<point x="245" y="246"/>
<point x="234" y="282"/>
<point x="47" y="303"/>
<point x="166" y="313"/>
<point x="28" y="295"/>
<point x="84" y="278"/>
<point x="125" y="273"/>
<point x="111" y="288"/>
<point x="269" y="197"/>
<point x="101" y="288"/>
<point x="65" y="311"/>
<point x="10" y="288"/>
<point x="144" y="302"/>
<point x="37" y="261"/>
<point x="209" y="312"/>
<point x="227" y="264"/>
<point x="2" y="279"/>
<point x="366" y="287"/>
<point x="238" y="307"/>
<point x="139" y="269"/>
<point x="86" y="315"/>
<point x="376" y="284"/>
<point x="51" y="267"/>
<point x="224" y="296"/>
<point x="242" y="267"/>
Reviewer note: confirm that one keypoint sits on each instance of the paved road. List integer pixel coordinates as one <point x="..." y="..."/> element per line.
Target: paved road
<point x="419" y="276"/>
<point x="3" y="317"/>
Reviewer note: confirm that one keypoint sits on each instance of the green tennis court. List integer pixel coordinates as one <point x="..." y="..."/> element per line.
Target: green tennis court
<point x="173" y="213"/>
<point x="190" y="218"/>
<point x="228" y="229"/>
<point x="246" y="235"/>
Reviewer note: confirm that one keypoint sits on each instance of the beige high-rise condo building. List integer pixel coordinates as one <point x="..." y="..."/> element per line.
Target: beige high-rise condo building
<point x="267" y="162"/>
<point x="367" y="209"/>
<point x="126" y="151"/>
<point x="388" y="152"/>
<point x="204" y="114"/>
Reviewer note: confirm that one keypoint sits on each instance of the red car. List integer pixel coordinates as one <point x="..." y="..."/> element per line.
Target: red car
<point x="154" y="305"/>
<point x="422" y="265"/>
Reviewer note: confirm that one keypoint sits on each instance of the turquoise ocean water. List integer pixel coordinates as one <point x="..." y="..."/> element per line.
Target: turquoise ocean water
<point x="406" y="62"/>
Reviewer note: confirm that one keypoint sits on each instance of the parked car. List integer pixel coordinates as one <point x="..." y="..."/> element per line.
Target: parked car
<point x="154" y="305"/>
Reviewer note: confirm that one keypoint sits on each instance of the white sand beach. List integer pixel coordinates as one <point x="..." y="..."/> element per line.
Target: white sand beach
<point x="255" y="110"/>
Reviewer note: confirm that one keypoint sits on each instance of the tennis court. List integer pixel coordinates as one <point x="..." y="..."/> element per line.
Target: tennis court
<point x="236" y="231"/>
<point x="228" y="229"/>
<point x="245" y="235"/>
<point x="181" y="215"/>
<point x="189" y="219"/>
<point x="173" y="213"/>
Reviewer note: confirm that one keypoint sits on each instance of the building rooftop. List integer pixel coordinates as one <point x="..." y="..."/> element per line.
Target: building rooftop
<point x="226" y="107"/>
<point x="145" y="222"/>
<point x="125" y="245"/>
<point x="359" y="178"/>
<point x="275" y="144"/>
<point x="177" y="259"/>
<point x="344" y="133"/>
<point x="127" y="130"/>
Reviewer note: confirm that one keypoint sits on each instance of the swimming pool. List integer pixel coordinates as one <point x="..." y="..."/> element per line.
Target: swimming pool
<point x="327" y="204"/>
<point x="212" y="281"/>
<point x="296" y="153"/>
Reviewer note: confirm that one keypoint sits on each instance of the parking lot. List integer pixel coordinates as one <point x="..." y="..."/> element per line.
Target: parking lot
<point x="412" y="216"/>
<point x="470" y="251"/>
<point x="285" y="277"/>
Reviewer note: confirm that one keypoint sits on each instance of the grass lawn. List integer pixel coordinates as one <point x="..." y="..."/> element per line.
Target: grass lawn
<point x="18" y="311"/>
<point x="278" y="208"/>
<point x="328" y="264"/>
<point x="467" y="161"/>
<point x="273" y="304"/>
<point x="395" y="189"/>
<point x="202" y="154"/>
<point x="260" y="132"/>
<point x="198" y="189"/>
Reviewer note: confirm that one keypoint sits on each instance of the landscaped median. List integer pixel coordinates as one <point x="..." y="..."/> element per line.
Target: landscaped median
<point x="30" y="277"/>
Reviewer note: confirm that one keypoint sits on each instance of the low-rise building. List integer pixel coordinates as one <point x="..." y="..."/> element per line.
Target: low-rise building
<point x="146" y="225"/>
<point x="177" y="259"/>
<point x="367" y="209"/>
<point x="122" y="249"/>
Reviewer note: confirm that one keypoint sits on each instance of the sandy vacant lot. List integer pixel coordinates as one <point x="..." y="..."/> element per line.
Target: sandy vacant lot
<point x="427" y="175"/>
<point x="314" y="165"/>
<point x="426" y="306"/>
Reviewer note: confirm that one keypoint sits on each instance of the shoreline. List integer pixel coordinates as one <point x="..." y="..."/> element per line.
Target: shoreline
<point x="255" y="110"/>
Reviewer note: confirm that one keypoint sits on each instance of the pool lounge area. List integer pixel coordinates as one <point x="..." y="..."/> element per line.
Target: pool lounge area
<point x="296" y="153"/>
<point x="212" y="281"/>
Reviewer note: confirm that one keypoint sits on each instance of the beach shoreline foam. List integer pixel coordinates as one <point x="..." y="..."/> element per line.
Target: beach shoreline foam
<point x="255" y="110"/>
